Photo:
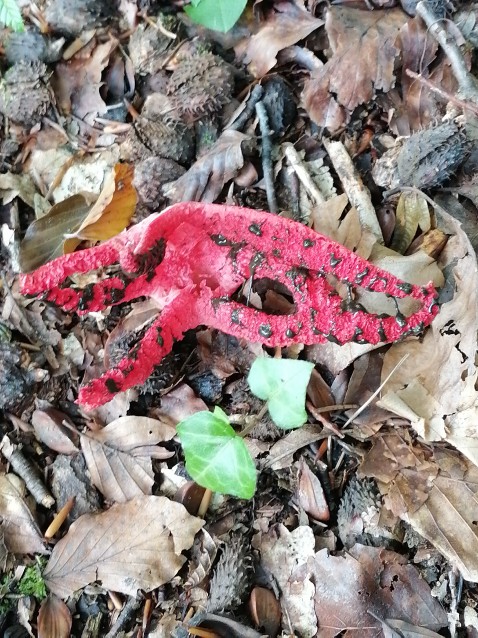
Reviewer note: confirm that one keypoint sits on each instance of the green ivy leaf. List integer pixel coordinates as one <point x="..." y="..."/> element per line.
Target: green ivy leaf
<point x="216" y="457"/>
<point x="283" y="383"/>
<point x="10" y="15"/>
<point x="220" y="15"/>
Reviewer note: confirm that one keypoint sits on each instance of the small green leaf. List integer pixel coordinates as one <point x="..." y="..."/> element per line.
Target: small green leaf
<point x="10" y="15"/>
<point x="219" y="15"/>
<point x="216" y="457"/>
<point x="283" y="383"/>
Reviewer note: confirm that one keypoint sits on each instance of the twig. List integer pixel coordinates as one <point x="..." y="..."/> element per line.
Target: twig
<point x="353" y="186"/>
<point x="267" y="167"/>
<point x="128" y="611"/>
<point x="374" y="394"/>
<point x="302" y="173"/>
<point x="239" y="123"/>
<point x="449" y="97"/>
<point x="26" y="471"/>
<point x="466" y="81"/>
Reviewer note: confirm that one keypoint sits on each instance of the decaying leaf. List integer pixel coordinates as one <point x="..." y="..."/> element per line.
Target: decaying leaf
<point x="285" y="556"/>
<point x="435" y="387"/>
<point x="206" y="178"/>
<point x="77" y="81"/>
<point x="364" y="53"/>
<point x="287" y="23"/>
<point x="44" y="238"/>
<point x="49" y="428"/>
<point x="75" y="219"/>
<point x="435" y="494"/>
<point x="367" y="583"/>
<point x="112" y="211"/>
<point x="54" y="619"/>
<point x="119" y="456"/>
<point x="18" y="526"/>
<point x="136" y="545"/>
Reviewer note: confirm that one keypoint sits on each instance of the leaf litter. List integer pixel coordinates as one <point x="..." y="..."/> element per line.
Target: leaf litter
<point x="368" y="526"/>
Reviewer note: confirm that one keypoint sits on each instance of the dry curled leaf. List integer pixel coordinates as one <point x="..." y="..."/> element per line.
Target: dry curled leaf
<point x="206" y="178"/>
<point x="119" y="456"/>
<point x="77" y="81"/>
<point x="287" y="23"/>
<point x="18" y="526"/>
<point x="49" y="427"/>
<point x="437" y="497"/>
<point x="54" y="618"/>
<point x="112" y="211"/>
<point x="135" y="545"/>
<point x="364" y="53"/>
<point x="75" y="219"/>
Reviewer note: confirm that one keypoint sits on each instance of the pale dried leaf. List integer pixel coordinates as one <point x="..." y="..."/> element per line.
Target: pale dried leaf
<point x="18" y="526"/>
<point x="136" y="545"/>
<point x="437" y="497"/>
<point x="370" y="579"/>
<point x="54" y="619"/>
<point x="364" y="53"/>
<point x="23" y="186"/>
<point x="281" y="453"/>
<point x="437" y="381"/>
<point x="287" y="24"/>
<point x="119" y="456"/>
<point x="77" y="81"/>
<point x="284" y="556"/>
<point x="49" y="429"/>
<point x="206" y="178"/>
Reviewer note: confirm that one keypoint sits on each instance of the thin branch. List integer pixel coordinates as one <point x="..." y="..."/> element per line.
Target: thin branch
<point x="466" y="81"/>
<point x="267" y="167"/>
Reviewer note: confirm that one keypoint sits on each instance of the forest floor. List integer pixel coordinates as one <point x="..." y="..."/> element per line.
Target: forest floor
<point x="223" y="422"/>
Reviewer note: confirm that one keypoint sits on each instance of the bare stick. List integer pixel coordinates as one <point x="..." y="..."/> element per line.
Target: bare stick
<point x="267" y="167"/>
<point x="239" y="123"/>
<point x="449" y="97"/>
<point x="302" y="173"/>
<point x="353" y="186"/>
<point x="466" y="81"/>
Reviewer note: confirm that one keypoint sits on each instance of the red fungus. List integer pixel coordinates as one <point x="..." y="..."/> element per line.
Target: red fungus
<point x="193" y="257"/>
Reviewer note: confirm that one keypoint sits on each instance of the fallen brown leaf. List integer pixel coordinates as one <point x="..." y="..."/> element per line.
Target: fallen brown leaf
<point x="364" y="53"/>
<point x="119" y="456"/>
<point x="112" y="211"/>
<point x="18" y="526"/>
<point x="436" y="496"/>
<point x="206" y="178"/>
<point x="77" y="81"/>
<point x="435" y="386"/>
<point x="54" y="618"/>
<point x="49" y="428"/>
<point x="44" y="238"/>
<point x="135" y="545"/>
<point x="366" y="583"/>
<point x="286" y="24"/>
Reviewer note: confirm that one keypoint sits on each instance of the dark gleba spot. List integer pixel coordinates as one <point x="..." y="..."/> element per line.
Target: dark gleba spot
<point x="236" y="316"/>
<point x="334" y="261"/>
<point x="308" y="243"/>
<point x="265" y="330"/>
<point x="255" y="229"/>
<point x="112" y="386"/>
<point x="220" y="240"/>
